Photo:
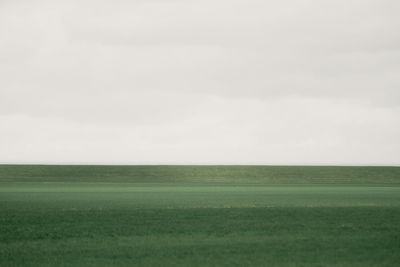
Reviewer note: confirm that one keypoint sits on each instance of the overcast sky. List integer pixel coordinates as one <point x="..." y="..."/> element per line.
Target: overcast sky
<point x="200" y="82"/>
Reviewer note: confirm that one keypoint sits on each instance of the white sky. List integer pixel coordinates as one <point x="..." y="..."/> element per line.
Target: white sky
<point x="200" y="82"/>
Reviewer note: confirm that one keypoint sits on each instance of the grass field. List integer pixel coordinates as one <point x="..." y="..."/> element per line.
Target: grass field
<point x="199" y="216"/>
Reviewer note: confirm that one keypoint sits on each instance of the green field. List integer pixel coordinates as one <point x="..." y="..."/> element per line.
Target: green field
<point x="199" y="216"/>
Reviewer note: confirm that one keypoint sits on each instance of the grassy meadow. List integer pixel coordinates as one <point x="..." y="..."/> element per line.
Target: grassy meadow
<point x="199" y="216"/>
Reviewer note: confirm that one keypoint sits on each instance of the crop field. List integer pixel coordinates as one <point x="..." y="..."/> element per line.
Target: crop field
<point x="199" y="216"/>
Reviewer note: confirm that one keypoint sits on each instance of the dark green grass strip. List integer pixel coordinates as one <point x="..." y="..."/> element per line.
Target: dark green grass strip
<point x="284" y="236"/>
<point x="202" y="174"/>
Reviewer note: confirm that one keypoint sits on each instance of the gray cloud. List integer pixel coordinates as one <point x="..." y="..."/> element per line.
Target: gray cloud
<point x="200" y="81"/>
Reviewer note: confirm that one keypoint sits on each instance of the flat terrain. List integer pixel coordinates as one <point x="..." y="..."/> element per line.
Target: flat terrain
<point x="218" y="216"/>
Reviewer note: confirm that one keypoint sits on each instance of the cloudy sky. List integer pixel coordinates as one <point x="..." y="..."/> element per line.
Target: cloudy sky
<point x="200" y="82"/>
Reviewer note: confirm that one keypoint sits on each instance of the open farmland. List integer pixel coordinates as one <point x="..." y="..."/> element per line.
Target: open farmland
<point x="199" y="216"/>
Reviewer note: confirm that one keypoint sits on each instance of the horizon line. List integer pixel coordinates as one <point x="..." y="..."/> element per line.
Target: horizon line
<point x="196" y="164"/>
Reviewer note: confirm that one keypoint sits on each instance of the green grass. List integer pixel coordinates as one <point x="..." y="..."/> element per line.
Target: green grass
<point x="202" y="174"/>
<point x="146" y="217"/>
